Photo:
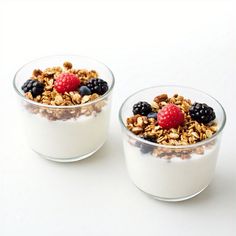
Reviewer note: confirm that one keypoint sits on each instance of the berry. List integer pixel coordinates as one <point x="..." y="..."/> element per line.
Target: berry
<point x="84" y="90"/>
<point x="142" y="108"/>
<point x="98" y="86"/>
<point x="66" y="82"/>
<point x="170" y="116"/>
<point x="34" y="86"/>
<point x="146" y="148"/>
<point x="152" y="115"/>
<point x="201" y="112"/>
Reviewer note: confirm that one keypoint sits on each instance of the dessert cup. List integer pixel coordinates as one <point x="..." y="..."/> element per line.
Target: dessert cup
<point x="175" y="178"/>
<point x="65" y="133"/>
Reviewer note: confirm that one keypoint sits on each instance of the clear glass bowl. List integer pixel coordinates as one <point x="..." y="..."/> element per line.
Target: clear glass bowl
<point x="175" y="178"/>
<point x="65" y="133"/>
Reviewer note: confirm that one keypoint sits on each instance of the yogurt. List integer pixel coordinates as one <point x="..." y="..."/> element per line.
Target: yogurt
<point x="63" y="140"/>
<point x="174" y="179"/>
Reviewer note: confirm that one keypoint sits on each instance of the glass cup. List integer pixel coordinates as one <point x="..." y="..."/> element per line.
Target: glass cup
<point x="171" y="173"/>
<point x="65" y="133"/>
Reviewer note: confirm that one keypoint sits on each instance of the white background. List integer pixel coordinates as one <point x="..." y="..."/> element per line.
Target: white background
<point x="190" y="43"/>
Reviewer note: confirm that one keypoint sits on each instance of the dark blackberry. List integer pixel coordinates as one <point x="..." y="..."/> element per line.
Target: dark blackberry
<point x="142" y="108"/>
<point x="146" y="148"/>
<point x="98" y="86"/>
<point x="84" y="90"/>
<point x="202" y="113"/>
<point x="34" y="86"/>
<point x="152" y="115"/>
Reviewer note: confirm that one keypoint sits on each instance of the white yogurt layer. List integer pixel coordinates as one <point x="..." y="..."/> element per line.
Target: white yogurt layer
<point x="67" y="139"/>
<point x="171" y="179"/>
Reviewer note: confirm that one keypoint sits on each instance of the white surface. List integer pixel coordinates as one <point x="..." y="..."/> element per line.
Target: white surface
<point x="190" y="43"/>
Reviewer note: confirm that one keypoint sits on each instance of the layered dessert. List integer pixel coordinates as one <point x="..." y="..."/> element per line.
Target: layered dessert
<point x="66" y="111"/>
<point x="170" y="148"/>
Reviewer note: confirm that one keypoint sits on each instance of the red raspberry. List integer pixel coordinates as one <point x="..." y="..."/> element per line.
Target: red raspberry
<point x="66" y="82"/>
<point x="170" y="116"/>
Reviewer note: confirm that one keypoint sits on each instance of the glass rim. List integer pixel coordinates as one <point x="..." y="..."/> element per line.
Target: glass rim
<point x="70" y="106"/>
<point x="170" y="146"/>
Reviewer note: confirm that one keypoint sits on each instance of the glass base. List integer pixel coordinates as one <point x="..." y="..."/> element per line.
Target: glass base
<point x="172" y="199"/>
<point x="68" y="159"/>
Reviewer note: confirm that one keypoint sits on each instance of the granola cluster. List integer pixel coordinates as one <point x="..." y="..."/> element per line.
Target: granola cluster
<point x="68" y="113"/>
<point x="189" y="132"/>
<point x="50" y="96"/>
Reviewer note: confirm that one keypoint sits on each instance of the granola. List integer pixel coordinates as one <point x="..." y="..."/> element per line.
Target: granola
<point x="189" y="132"/>
<point x="41" y="88"/>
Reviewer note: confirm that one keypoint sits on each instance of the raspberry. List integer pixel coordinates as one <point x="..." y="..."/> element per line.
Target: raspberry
<point x="66" y="82"/>
<point x="170" y="116"/>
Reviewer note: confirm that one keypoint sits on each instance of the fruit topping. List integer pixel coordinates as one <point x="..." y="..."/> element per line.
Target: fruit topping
<point x="170" y="116"/>
<point x="84" y="90"/>
<point x="66" y="82"/>
<point x="98" y="86"/>
<point x="34" y="86"/>
<point x="202" y="113"/>
<point x="142" y="108"/>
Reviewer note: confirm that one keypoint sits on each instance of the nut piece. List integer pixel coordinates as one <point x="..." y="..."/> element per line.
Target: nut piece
<point x="140" y="122"/>
<point x="195" y="134"/>
<point x="58" y="100"/>
<point x="37" y="72"/>
<point x="161" y="98"/>
<point x="137" y="130"/>
<point x="208" y="133"/>
<point x="173" y="135"/>
<point x="67" y="65"/>
<point x="85" y="99"/>
<point x="75" y="97"/>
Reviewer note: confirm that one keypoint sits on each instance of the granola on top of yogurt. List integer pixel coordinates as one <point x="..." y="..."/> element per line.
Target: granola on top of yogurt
<point x="64" y="86"/>
<point x="172" y="121"/>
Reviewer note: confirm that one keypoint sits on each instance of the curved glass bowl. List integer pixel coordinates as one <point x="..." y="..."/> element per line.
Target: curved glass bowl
<point x="171" y="173"/>
<point x="65" y="133"/>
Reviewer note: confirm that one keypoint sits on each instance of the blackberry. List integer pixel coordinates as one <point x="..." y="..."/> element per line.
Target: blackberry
<point x="142" y="108"/>
<point x="34" y="86"/>
<point x="202" y="113"/>
<point x="98" y="86"/>
<point x="146" y="148"/>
